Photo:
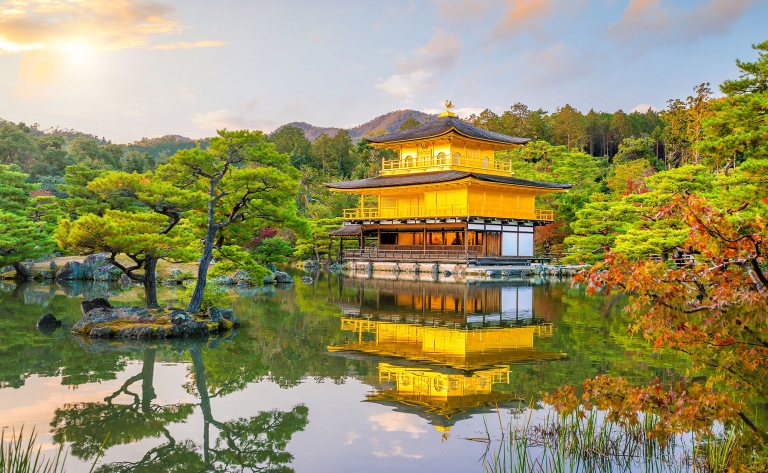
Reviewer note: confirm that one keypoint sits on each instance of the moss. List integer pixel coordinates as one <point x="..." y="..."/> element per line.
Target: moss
<point x="225" y="325"/>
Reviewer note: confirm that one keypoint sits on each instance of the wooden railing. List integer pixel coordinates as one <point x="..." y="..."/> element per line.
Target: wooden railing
<point x="440" y="211"/>
<point x="413" y="255"/>
<point x="425" y="160"/>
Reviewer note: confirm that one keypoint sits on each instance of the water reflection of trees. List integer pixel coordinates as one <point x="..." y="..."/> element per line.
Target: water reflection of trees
<point x="256" y="443"/>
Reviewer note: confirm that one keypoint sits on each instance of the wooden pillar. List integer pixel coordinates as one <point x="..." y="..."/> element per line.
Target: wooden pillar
<point x="424" y="242"/>
<point x="378" y="244"/>
<point x="466" y="241"/>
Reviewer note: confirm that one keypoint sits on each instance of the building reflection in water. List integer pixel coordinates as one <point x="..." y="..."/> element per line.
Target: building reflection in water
<point x="443" y="350"/>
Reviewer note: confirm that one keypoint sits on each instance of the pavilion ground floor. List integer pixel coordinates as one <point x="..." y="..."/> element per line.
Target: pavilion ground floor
<point x="470" y="241"/>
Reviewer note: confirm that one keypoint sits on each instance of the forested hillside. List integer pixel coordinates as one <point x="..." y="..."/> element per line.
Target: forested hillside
<point x="387" y="123"/>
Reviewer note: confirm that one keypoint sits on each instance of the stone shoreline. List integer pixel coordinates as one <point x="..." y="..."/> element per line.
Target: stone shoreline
<point x="138" y="323"/>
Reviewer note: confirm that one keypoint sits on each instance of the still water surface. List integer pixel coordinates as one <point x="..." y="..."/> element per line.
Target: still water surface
<point x="343" y="374"/>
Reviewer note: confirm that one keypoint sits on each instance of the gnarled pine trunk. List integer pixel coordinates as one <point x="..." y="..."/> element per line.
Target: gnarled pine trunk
<point x="150" y="284"/>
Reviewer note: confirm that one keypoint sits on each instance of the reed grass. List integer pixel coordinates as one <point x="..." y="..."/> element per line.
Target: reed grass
<point x="19" y="454"/>
<point x="592" y="444"/>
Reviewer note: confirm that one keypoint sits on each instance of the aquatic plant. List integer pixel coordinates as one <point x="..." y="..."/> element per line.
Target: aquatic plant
<point x="593" y="443"/>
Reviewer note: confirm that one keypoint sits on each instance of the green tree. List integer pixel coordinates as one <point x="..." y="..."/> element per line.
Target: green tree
<point x="568" y="128"/>
<point x="17" y="146"/>
<point x="272" y="251"/>
<point x="21" y="236"/>
<point x="291" y="140"/>
<point x="736" y="129"/>
<point x="247" y="185"/>
<point x="595" y="229"/>
<point x="409" y="123"/>
<point x="87" y="151"/>
<point x="53" y="159"/>
<point x="145" y="223"/>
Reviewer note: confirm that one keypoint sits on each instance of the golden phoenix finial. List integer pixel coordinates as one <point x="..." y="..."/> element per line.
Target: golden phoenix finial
<point x="448" y="104"/>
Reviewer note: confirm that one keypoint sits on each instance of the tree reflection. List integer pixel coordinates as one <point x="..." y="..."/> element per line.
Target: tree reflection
<point x="256" y="443"/>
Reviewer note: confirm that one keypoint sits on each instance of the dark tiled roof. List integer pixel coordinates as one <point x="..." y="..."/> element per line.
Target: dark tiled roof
<point x="442" y="125"/>
<point x="400" y="180"/>
<point x="438" y="177"/>
<point x="347" y="230"/>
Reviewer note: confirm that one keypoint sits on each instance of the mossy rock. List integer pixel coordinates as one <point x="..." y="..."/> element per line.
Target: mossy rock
<point x="145" y="324"/>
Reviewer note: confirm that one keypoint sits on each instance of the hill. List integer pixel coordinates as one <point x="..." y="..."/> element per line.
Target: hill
<point x="388" y="122"/>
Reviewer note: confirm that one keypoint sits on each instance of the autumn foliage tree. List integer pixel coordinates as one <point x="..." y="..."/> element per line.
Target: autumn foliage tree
<point x="713" y="305"/>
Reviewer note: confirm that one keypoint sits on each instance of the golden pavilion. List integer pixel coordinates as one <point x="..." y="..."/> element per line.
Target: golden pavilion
<point x="448" y="197"/>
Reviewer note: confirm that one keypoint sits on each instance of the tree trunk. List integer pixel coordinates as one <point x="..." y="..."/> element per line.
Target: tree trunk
<point x="205" y="401"/>
<point x="202" y="270"/>
<point x="150" y="284"/>
<point x="21" y="271"/>
<point x="147" y="386"/>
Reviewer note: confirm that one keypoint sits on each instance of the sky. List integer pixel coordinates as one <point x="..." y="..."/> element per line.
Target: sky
<point x="127" y="69"/>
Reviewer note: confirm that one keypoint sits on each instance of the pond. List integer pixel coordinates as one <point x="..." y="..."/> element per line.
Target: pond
<point x="343" y="374"/>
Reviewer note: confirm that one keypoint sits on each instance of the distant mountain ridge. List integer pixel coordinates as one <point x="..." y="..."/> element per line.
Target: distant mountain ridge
<point x="389" y="122"/>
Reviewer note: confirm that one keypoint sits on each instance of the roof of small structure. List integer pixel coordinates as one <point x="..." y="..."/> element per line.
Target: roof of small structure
<point x="347" y="230"/>
<point x="436" y="177"/>
<point x="443" y="125"/>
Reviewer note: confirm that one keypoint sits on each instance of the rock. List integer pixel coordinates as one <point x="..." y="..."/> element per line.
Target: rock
<point x="307" y="280"/>
<point x="269" y="279"/>
<point x="214" y="314"/>
<point x="223" y="281"/>
<point x="125" y="280"/>
<point x="229" y="314"/>
<point x="97" y="303"/>
<point x="106" y="272"/>
<point x="48" y="323"/>
<point x="56" y="254"/>
<point x="138" y="323"/>
<point x="447" y="273"/>
<point x="242" y="277"/>
<point x="71" y="271"/>
<point x="283" y="278"/>
<point x="93" y="262"/>
<point x="335" y="266"/>
<point x="52" y="266"/>
<point x="179" y="317"/>
<point x="45" y="274"/>
<point x="100" y="332"/>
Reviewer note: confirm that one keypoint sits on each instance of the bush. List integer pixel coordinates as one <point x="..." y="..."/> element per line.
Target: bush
<point x="215" y="295"/>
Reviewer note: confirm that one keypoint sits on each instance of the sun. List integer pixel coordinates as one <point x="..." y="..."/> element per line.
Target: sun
<point x="78" y="54"/>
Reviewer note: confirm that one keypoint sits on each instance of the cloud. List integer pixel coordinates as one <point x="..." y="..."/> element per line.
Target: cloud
<point x="351" y="437"/>
<point x="440" y="54"/>
<point x="555" y="64"/>
<point x="186" y="94"/>
<point x="643" y="107"/>
<point x="218" y="119"/>
<point x="463" y="112"/>
<point x="406" y="86"/>
<point x="397" y="451"/>
<point x="398" y="422"/>
<point x="463" y="10"/>
<point x="524" y="15"/>
<point x="186" y="45"/>
<point x="71" y="24"/>
<point x="649" y="19"/>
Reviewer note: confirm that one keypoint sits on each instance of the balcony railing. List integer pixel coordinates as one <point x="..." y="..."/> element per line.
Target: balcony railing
<point x="443" y="211"/>
<point x="444" y="161"/>
<point x="438" y="256"/>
